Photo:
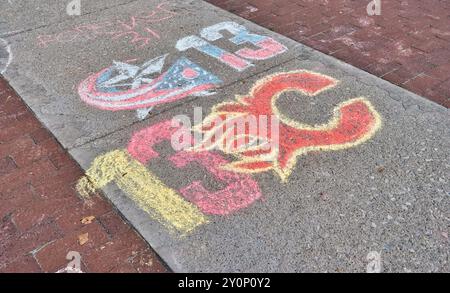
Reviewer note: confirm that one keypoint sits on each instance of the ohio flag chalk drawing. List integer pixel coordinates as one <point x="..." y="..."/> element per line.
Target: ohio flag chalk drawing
<point x="129" y="87"/>
<point x="353" y="122"/>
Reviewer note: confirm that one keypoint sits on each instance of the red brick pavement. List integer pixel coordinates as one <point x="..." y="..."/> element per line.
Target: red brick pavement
<point x="408" y="44"/>
<point x="41" y="213"/>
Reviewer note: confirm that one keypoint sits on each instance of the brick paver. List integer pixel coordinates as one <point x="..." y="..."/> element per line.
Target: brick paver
<point x="41" y="213"/>
<point x="408" y="44"/>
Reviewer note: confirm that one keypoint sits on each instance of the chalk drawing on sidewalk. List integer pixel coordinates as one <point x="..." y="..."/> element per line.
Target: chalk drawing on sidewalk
<point x="354" y="122"/>
<point x="148" y="192"/>
<point x="136" y="28"/>
<point x="5" y="55"/>
<point x="268" y="47"/>
<point x="218" y="53"/>
<point x="183" y="210"/>
<point x="180" y="211"/>
<point x="240" y="191"/>
<point x="125" y="86"/>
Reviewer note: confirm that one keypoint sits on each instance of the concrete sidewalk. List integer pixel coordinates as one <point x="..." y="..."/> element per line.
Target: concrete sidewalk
<point x="370" y="179"/>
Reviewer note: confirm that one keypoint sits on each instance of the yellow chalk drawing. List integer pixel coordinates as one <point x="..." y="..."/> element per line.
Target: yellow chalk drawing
<point x="145" y="189"/>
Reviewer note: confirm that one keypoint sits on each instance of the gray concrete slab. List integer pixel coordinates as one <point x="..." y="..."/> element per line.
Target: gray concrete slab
<point x="388" y="195"/>
<point x="25" y="15"/>
<point x="47" y="76"/>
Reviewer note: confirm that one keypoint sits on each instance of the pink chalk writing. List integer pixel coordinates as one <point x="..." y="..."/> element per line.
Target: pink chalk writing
<point x="136" y="28"/>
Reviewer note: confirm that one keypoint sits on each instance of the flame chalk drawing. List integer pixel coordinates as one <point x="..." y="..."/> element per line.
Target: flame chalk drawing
<point x="181" y="211"/>
<point x="354" y="122"/>
<point x="129" y="87"/>
<point x="126" y="86"/>
<point x="5" y="56"/>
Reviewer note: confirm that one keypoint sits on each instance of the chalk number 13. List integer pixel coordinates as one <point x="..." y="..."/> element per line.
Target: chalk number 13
<point x="268" y="47"/>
